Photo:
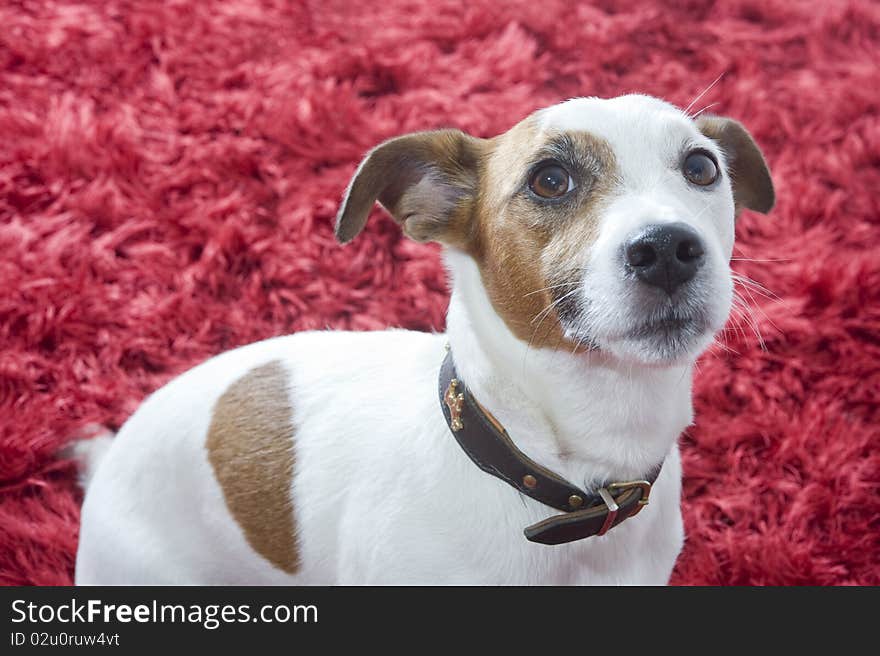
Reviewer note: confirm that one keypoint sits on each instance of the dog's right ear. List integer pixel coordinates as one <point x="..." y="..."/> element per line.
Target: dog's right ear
<point x="427" y="181"/>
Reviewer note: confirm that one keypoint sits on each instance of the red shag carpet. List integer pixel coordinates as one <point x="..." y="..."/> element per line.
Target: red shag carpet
<point x="169" y="174"/>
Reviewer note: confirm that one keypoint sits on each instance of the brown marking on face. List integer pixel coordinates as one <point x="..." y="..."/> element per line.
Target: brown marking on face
<point x="471" y="194"/>
<point x="530" y="251"/>
<point x="250" y="448"/>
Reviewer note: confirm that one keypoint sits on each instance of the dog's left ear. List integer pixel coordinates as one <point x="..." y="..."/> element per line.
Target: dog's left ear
<point x="427" y="181"/>
<point x="750" y="178"/>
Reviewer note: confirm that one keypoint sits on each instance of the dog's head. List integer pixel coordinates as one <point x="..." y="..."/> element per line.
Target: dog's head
<point x="605" y="224"/>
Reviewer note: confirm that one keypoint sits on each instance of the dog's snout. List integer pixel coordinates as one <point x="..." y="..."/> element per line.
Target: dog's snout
<point x="665" y="256"/>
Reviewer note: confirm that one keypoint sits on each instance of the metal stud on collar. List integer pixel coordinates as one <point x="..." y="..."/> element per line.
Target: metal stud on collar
<point x="454" y="400"/>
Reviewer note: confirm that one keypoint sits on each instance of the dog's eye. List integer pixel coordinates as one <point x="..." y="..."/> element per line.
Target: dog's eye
<point x="700" y="168"/>
<point x="550" y="180"/>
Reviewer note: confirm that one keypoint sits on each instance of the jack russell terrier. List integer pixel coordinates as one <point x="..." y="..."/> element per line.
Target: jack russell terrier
<point x="533" y="443"/>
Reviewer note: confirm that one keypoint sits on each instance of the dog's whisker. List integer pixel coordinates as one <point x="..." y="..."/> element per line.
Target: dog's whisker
<point x="770" y="296"/>
<point x="733" y="329"/>
<point x="709" y="106"/>
<point x="552" y="305"/>
<point x="757" y="287"/>
<point x="750" y="319"/>
<point x="703" y="93"/>
<point x="754" y="259"/>
<point x="547" y="289"/>
<point x="725" y="347"/>
<point x="543" y="315"/>
<point x="761" y="310"/>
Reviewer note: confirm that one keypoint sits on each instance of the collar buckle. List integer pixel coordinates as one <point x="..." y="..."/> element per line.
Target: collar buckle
<point x="611" y="501"/>
<point x="644" y="486"/>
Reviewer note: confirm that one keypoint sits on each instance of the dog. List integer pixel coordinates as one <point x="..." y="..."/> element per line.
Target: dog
<point x="588" y="249"/>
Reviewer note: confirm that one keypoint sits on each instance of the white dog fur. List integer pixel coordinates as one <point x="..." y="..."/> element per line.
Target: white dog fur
<point x="379" y="491"/>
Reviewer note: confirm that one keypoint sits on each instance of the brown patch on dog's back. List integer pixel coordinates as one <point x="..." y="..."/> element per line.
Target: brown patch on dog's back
<point x="250" y="448"/>
<point x="528" y="253"/>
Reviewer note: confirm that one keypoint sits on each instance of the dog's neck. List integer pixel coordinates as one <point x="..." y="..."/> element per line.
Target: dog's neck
<point x="586" y="416"/>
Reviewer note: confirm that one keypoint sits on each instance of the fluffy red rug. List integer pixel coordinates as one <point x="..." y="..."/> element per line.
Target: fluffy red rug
<point x="169" y="173"/>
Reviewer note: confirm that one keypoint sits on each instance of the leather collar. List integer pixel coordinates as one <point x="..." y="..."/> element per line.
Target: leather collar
<point x="487" y="443"/>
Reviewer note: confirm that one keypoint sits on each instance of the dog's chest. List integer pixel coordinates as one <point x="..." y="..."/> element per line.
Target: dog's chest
<point x="383" y="494"/>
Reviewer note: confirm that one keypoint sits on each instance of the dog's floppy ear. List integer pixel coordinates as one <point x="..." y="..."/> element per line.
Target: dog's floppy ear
<point x="427" y="181"/>
<point x="750" y="178"/>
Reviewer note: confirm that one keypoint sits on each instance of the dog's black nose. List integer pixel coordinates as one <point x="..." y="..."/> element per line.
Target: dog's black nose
<point x="665" y="256"/>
